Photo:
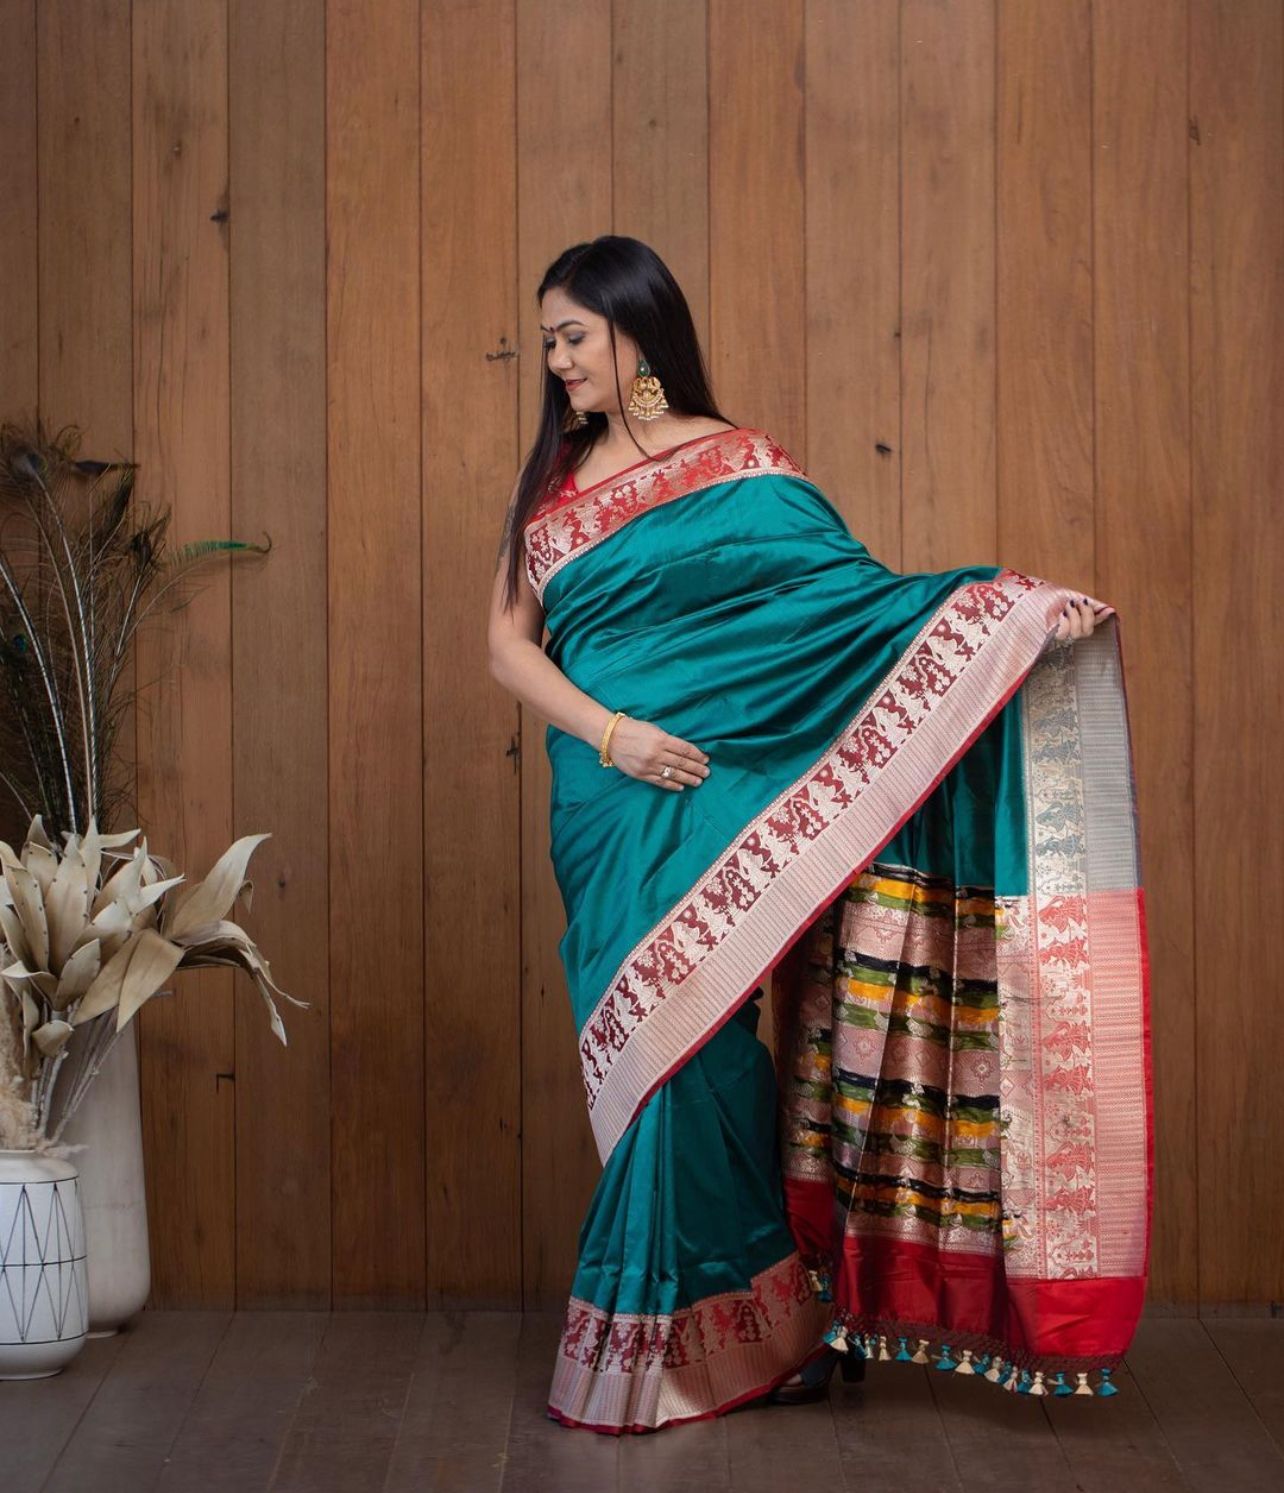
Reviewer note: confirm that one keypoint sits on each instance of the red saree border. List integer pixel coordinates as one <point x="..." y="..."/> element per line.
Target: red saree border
<point x="561" y="533"/>
<point x="1074" y="985"/>
<point x="759" y="896"/>
<point x="1018" y="1329"/>
<point x="632" y="1372"/>
<point x="1033" y="1323"/>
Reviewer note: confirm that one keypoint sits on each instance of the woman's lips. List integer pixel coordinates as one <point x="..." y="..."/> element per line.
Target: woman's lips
<point x="573" y="383"/>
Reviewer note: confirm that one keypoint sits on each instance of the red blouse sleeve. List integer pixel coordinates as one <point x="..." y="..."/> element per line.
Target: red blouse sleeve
<point x="553" y="500"/>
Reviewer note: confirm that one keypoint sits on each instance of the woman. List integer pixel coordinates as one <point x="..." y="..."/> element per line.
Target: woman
<point x="909" y="797"/>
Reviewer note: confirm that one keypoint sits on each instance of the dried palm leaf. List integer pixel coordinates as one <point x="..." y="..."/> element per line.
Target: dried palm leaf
<point x="92" y="926"/>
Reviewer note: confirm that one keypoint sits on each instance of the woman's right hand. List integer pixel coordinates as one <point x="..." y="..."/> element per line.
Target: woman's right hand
<point x="643" y="751"/>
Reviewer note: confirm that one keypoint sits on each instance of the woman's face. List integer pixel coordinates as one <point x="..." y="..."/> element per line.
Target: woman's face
<point x="577" y="345"/>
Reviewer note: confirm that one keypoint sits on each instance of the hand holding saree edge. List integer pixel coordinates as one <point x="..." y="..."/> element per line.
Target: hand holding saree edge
<point x="691" y="971"/>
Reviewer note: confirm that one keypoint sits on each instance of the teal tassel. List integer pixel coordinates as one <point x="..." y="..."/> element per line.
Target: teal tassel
<point x="904" y="1355"/>
<point x="1106" y="1387"/>
<point x="1060" y="1387"/>
<point x="820" y="1283"/>
<point x="945" y="1361"/>
<point x="1023" y="1388"/>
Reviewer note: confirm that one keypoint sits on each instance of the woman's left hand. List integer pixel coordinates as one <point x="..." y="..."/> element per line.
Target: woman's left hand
<point x="1077" y="619"/>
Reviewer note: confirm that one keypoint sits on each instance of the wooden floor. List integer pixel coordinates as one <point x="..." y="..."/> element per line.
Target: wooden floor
<point x="455" y="1401"/>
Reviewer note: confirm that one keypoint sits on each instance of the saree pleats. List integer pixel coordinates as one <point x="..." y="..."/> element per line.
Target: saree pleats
<point x="921" y="817"/>
<point x="689" y="1294"/>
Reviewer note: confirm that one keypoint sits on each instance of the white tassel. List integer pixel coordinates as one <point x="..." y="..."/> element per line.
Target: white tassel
<point x="995" y="1372"/>
<point x="921" y="1355"/>
<point x="1082" y="1387"/>
<point x="883" y="1353"/>
<point x="1037" y="1388"/>
<point x="964" y="1365"/>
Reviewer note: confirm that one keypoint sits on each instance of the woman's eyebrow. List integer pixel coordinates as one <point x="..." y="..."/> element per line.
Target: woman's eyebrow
<point x="570" y="321"/>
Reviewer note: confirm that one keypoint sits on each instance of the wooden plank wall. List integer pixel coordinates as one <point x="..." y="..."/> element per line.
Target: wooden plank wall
<point x="1005" y="277"/>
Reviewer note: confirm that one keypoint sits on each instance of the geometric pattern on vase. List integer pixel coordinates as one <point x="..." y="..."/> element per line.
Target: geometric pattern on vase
<point x="43" y="1280"/>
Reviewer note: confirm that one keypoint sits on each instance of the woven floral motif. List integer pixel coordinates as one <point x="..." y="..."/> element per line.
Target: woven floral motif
<point x="630" y="1343"/>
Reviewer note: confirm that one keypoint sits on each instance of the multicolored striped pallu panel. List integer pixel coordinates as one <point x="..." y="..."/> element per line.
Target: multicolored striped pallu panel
<point x="965" y="1079"/>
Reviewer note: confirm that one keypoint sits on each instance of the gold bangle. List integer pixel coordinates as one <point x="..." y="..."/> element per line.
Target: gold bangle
<point x="603" y="753"/>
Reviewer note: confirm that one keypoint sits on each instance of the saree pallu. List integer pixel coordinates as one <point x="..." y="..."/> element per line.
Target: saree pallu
<point x="920" y="826"/>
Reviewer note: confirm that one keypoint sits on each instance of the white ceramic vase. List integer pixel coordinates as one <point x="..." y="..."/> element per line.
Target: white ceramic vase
<point x="43" y="1282"/>
<point x="113" y="1195"/>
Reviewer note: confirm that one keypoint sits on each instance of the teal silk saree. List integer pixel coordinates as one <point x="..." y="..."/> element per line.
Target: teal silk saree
<point x="919" y="833"/>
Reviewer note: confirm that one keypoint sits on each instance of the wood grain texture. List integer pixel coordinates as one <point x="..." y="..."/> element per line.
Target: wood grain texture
<point x="757" y="172"/>
<point x="1237" y="465"/>
<point x="454" y="1402"/>
<point x="235" y="1428"/>
<point x="948" y="507"/>
<point x="86" y="339"/>
<point x="471" y="783"/>
<point x="1043" y="406"/>
<point x="180" y="252"/>
<point x="852" y="255"/>
<point x="39" y="1417"/>
<point x="1253" y="1350"/>
<point x="19" y="261"/>
<point x="660" y="139"/>
<point x="1215" y="1434"/>
<point x="375" y="638"/>
<point x="1125" y="1448"/>
<point x="279" y="615"/>
<point x="342" y="1435"/>
<point x="455" y="1423"/>
<point x="126" y="1432"/>
<point x="874" y="1422"/>
<point x="84" y="155"/>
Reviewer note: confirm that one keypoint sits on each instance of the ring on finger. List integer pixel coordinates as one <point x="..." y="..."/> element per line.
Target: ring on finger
<point x="666" y="772"/>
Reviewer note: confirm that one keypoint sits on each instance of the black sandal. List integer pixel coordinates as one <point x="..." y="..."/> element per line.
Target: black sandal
<point x="815" y="1378"/>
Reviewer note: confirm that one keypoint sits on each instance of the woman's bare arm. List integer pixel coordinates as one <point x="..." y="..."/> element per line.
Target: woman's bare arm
<point x="518" y="661"/>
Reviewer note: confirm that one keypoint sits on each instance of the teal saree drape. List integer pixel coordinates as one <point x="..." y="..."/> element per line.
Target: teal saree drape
<point x="921" y="817"/>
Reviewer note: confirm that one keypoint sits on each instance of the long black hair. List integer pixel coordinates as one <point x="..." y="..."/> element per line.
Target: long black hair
<point x="628" y="283"/>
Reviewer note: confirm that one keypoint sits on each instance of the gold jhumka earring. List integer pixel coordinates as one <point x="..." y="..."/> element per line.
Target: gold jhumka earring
<point x="647" y="401"/>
